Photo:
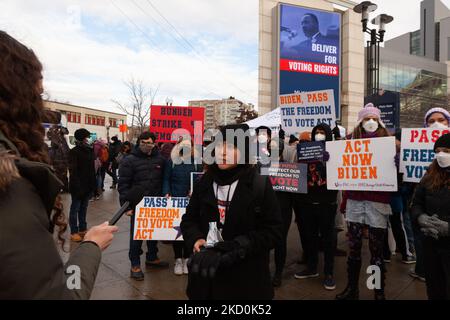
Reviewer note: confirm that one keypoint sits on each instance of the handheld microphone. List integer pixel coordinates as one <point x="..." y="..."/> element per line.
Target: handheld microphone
<point x="134" y="196"/>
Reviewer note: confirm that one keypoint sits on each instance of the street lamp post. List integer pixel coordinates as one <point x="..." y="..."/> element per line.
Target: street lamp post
<point x="373" y="45"/>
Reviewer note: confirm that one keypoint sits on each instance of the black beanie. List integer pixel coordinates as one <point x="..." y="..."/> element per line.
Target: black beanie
<point x="442" y="142"/>
<point x="81" y="134"/>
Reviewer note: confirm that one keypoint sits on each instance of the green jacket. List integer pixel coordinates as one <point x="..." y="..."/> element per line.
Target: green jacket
<point x="30" y="266"/>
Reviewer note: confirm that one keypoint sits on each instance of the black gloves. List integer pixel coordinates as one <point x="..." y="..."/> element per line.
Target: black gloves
<point x="223" y="254"/>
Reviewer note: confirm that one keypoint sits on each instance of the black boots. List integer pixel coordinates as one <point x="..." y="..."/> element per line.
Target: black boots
<point x="351" y="292"/>
<point x="379" y="293"/>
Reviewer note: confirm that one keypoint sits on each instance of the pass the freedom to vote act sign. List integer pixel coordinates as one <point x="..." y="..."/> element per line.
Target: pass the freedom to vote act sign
<point x="159" y="218"/>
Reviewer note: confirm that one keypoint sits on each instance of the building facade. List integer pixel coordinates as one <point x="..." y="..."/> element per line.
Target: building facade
<point x="101" y="124"/>
<point x="416" y="64"/>
<point x="221" y="112"/>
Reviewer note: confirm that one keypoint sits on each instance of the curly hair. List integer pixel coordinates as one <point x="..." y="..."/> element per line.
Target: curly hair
<point x="21" y="106"/>
<point x="22" y="110"/>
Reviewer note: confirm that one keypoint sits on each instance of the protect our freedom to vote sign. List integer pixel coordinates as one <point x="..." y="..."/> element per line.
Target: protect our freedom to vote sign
<point x="362" y="165"/>
<point x="417" y="151"/>
<point x="159" y="218"/>
<point x="287" y="177"/>
<point x="303" y="111"/>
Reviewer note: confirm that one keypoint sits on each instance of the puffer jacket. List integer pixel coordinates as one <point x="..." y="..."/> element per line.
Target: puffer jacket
<point x="139" y="169"/>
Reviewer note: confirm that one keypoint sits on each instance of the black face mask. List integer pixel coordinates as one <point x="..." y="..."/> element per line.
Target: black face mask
<point x="146" y="149"/>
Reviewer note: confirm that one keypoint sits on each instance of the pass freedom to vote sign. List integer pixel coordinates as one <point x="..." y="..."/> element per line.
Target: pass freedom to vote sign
<point x="362" y="165"/>
<point x="303" y="111"/>
<point x="159" y="218"/>
<point x="417" y="151"/>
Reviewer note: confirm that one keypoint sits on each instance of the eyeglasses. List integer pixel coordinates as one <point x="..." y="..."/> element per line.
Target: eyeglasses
<point x="148" y="143"/>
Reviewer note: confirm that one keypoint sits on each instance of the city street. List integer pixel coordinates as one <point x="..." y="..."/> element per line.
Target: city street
<point x="113" y="280"/>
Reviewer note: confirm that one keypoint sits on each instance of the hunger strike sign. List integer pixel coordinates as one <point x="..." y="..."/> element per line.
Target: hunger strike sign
<point x="417" y="151"/>
<point x="303" y="111"/>
<point x="362" y="165"/>
<point x="159" y="218"/>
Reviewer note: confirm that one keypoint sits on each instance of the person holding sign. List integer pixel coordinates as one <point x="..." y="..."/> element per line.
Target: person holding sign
<point x="318" y="209"/>
<point x="236" y="210"/>
<point x="144" y="167"/>
<point x="437" y="118"/>
<point x="431" y="213"/>
<point x="176" y="183"/>
<point x="366" y="208"/>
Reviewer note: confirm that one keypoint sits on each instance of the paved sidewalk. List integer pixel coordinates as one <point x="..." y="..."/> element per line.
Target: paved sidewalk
<point x="113" y="280"/>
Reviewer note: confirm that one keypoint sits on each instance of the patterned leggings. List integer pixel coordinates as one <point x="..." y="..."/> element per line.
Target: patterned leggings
<point x="376" y="243"/>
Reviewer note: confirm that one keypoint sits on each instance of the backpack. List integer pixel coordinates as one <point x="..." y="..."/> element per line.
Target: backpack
<point x="104" y="155"/>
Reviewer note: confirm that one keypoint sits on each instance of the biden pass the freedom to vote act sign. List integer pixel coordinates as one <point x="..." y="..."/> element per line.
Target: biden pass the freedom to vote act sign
<point x="159" y="218"/>
<point x="362" y="165"/>
<point x="417" y="151"/>
<point x="303" y="111"/>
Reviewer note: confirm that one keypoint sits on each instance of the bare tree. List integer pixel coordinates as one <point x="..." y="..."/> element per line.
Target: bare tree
<point x="138" y="108"/>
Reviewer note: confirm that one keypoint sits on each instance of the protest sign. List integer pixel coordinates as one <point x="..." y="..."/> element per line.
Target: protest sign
<point x="164" y="120"/>
<point x="417" y="151"/>
<point x="303" y="111"/>
<point x="362" y="165"/>
<point x="195" y="177"/>
<point x="389" y="104"/>
<point x="310" y="151"/>
<point x="287" y="177"/>
<point x="159" y="218"/>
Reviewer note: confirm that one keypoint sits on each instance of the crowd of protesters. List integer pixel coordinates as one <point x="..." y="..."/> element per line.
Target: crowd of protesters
<point x="234" y="219"/>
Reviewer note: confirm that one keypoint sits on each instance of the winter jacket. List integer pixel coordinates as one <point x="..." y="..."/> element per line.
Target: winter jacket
<point x="317" y="176"/>
<point x="139" y="169"/>
<point x="431" y="202"/>
<point x="260" y="220"/>
<point x="177" y="178"/>
<point x="82" y="181"/>
<point x="31" y="267"/>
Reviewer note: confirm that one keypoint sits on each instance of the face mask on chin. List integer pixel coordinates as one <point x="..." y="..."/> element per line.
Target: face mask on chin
<point x="443" y="160"/>
<point x="370" y="126"/>
<point x="438" y="125"/>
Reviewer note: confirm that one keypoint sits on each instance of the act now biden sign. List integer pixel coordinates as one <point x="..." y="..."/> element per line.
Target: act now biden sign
<point x="417" y="153"/>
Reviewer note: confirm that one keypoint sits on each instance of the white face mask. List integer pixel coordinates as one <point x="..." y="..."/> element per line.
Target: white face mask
<point x="262" y="138"/>
<point x="438" y="125"/>
<point x="443" y="159"/>
<point x="370" y="126"/>
<point x="320" y="137"/>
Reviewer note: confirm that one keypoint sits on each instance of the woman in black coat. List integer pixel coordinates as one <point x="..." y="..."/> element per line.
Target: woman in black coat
<point x="243" y="205"/>
<point x="431" y="211"/>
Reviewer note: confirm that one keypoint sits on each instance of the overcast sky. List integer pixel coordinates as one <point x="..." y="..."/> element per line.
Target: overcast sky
<point x="191" y="49"/>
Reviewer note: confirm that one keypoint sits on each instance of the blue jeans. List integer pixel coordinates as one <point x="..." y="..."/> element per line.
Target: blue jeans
<point x="135" y="251"/>
<point x="77" y="215"/>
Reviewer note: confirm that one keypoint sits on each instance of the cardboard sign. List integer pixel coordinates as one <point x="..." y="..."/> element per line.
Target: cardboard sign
<point x="362" y="165"/>
<point x="195" y="177"/>
<point x="303" y="111"/>
<point x="417" y="151"/>
<point x="164" y="120"/>
<point x="287" y="177"/>
<point x="310" y="151"/>
<point x="159" y="218"/>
